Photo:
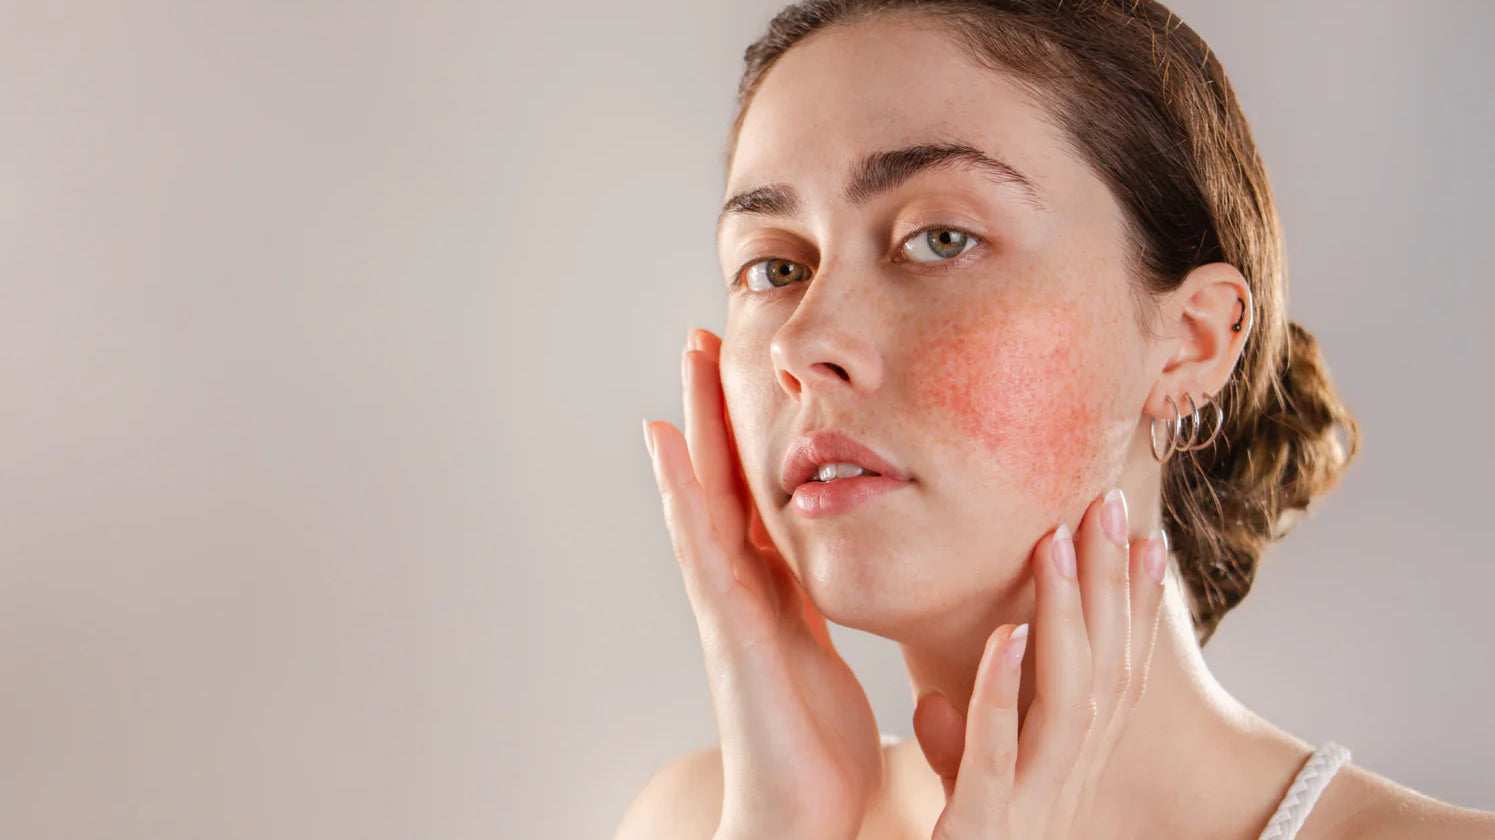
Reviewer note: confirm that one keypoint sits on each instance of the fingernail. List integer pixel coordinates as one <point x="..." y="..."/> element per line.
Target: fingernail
<point x="1157" y="556"/>
<point x="1113" y="516"/>
<point x="1016" y="644"/>
<point x="685" y="364"/>
<point x="648" y="438"/>
<point x="1063" y="547"/>
<point x="693" y="339"/>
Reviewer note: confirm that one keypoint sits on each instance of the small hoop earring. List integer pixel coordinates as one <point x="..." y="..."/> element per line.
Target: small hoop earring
<point x="1242" y="319"/>
<point x="1172" y="427"/>
<point x="1193" y="425"/>
<point x="1219" y="419"/>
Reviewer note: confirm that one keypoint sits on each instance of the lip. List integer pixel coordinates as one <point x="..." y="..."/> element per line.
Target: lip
<point x="816" y="499"/>
<point x="819" y="499"/>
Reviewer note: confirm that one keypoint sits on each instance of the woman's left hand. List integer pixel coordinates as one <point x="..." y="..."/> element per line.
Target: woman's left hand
<point x="1093" y="640"/>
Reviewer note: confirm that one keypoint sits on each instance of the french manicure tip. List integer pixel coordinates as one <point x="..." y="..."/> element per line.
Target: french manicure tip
<point x="1017" y="644"/>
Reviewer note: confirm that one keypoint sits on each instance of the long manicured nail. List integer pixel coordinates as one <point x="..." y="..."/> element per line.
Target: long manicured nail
<point x="693" y="339"/>
<point x="1113" y="516"/>
<point x="648" y="438"/>
<point x="1063" y="547"/>
<point x="1157" y="556"/>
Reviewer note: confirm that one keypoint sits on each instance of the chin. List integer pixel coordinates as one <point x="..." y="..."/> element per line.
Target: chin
<point x="903" y="595"/>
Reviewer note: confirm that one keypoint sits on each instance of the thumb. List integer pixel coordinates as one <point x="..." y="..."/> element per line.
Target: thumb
<point x="941" y="731"/>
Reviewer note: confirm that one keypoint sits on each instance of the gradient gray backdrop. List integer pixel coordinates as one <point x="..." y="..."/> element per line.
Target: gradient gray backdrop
<point x="326" y="329"/>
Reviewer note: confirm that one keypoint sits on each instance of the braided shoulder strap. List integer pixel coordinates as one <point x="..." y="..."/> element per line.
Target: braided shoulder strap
<point x="1305" y="790"/>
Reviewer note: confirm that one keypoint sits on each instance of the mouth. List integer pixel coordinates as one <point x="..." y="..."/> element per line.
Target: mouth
<point x="829" y="472"/>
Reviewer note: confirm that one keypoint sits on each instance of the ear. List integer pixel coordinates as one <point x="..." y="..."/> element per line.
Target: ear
<point x="1199" y="326"/>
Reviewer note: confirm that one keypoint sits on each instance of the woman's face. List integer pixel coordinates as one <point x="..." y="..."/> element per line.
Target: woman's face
<point x="978" y="336"/>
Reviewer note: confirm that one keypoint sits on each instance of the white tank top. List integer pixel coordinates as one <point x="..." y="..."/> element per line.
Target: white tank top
<point x="1301" y="794"/>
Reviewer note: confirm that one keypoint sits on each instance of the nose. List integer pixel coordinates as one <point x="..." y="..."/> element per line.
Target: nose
<point x="828" y="342"/>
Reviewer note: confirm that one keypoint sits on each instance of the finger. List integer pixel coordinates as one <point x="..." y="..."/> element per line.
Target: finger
<point x="940" y="729"/>
<point x="1105" y="583"/>
<point x="1144" y="604"/>
<point x="710" y="576"/>
<point x="1063" y="708"/>
<point x="714" y="458"/>
<point x="988" y="769"/>
<point x="1149" y="571"/>
<point x="706" y="436"/>
<point x="1104" y="559"/>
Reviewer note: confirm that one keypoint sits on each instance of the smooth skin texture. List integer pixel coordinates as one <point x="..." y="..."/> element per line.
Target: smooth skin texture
<point x="1015" y="383"/>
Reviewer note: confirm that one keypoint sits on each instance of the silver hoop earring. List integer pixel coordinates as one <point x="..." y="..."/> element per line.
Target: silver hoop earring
<point x="1219" y="420"/>
<point x="1193" y="425"/>
<point x="1172" y="427"/>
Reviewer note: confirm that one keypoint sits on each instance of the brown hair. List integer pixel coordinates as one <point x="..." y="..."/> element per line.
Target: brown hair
<point x="1146" y="104"/>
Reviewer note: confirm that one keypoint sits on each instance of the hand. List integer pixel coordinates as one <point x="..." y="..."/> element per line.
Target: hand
<point x="801" y="755"/>
<point x="1090" y="671"/>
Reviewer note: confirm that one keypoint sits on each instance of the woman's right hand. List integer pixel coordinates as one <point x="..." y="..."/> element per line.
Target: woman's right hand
<point x="801" y="753"/>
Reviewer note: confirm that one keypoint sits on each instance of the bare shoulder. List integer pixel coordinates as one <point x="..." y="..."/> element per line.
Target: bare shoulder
<point x="1361" y="805"/>
<point x="683" y="800"/>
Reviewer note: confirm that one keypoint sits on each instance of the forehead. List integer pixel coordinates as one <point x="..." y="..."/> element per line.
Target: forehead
<point x="882" y="84"/>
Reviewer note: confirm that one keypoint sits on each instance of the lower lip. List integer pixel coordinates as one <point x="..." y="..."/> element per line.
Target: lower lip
<point x="819" y="499"/>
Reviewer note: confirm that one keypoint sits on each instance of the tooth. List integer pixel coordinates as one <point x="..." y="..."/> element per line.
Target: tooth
<point x="848" y="470"/>
<point x="831" y="472"/>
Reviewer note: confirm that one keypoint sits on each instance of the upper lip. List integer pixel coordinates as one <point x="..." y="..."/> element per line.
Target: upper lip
<point x="807" y="453"/>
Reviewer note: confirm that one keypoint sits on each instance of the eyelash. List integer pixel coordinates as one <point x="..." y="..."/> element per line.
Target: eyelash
<point x="935" y="265"/>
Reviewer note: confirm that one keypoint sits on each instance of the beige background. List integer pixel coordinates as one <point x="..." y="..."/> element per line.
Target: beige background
<point x="326" y="329"/>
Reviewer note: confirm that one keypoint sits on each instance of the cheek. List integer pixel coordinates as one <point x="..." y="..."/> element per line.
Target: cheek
<point x="1032" y="391"/>
<point x="748" y="400"/>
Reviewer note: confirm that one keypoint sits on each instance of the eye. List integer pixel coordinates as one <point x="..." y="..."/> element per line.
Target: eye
<point x="942" y="243"/>
<point x="773" y="273"/>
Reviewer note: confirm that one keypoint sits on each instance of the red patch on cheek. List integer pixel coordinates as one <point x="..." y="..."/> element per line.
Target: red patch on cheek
<point x="1022" y="388"/>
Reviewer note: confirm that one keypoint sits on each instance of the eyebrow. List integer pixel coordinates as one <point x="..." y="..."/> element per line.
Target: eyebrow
<point x="880" y="172"/>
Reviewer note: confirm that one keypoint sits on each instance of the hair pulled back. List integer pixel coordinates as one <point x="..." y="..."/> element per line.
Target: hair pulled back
<point x="1146" y="104"/>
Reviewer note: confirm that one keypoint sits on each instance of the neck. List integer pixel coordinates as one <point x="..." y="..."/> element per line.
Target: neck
<point x="1190" y="756"/>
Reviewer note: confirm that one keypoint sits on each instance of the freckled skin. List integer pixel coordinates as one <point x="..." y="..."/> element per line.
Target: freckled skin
<point x="1010" y="387"/>
<point x="1021" y="389"/>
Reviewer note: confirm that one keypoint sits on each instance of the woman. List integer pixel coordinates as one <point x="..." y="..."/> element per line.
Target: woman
<point x="1006" y="368"/>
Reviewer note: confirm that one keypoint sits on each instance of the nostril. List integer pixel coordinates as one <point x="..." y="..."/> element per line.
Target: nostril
<point x="788" y="383"/>
<point x="839" y="371"/>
